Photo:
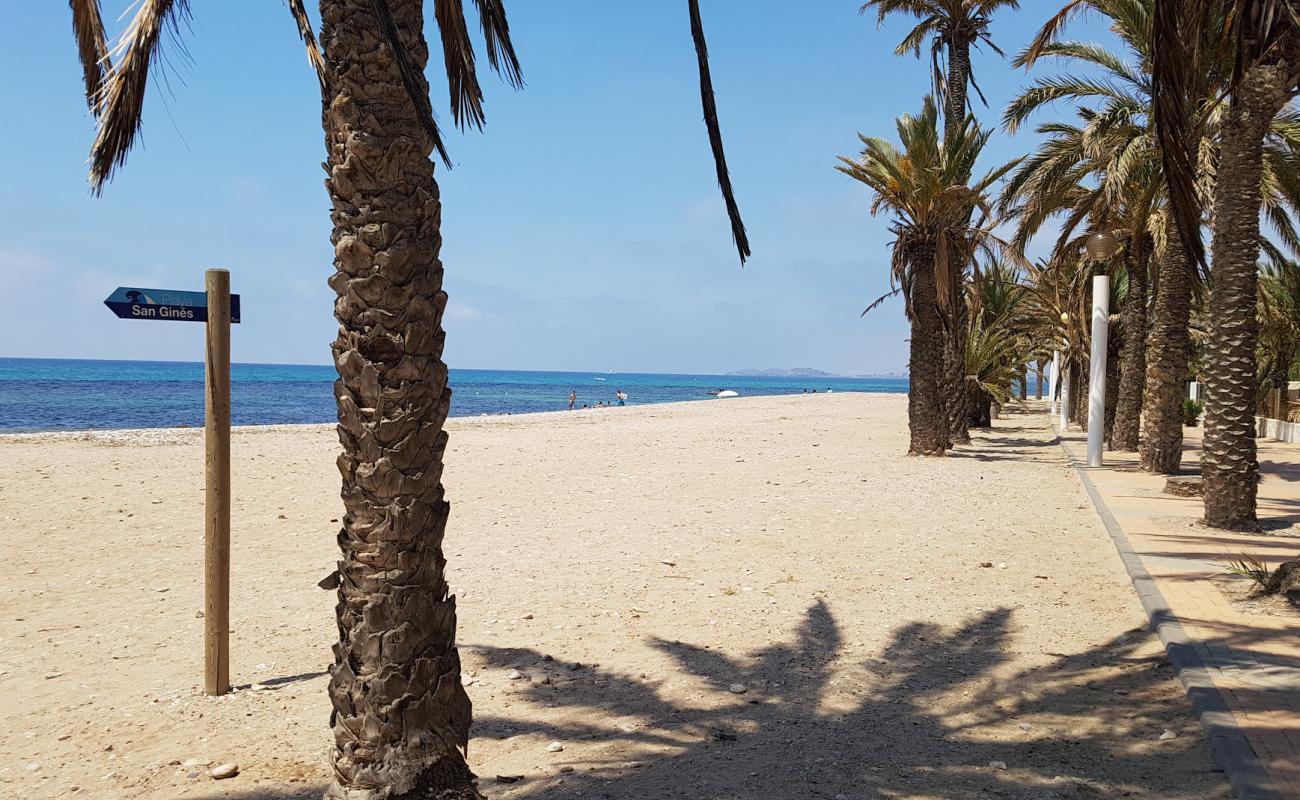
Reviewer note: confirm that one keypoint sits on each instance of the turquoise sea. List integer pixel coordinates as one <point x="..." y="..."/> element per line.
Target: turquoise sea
<point x="66" y="394"/>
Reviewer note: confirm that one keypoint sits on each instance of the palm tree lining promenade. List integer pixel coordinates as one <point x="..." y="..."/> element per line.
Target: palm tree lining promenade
<point x="1188" y="132"/>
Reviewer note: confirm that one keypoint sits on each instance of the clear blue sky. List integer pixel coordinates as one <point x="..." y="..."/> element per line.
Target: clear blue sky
<point x="583" y="228"/>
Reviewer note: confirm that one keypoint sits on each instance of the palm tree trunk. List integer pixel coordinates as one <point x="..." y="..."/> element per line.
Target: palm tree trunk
<point x="955" y="391"/>
<point x="400" y="713"/>
<point x="956" y="394"/>
<point x="1112" y="384"/>
<point x="954" y="99"/>
<point x="926" y="417"/>
<point x="1228" y="462"/>
<point x="1132" y="378"/>
<point x="1079" y="397"/>
<point x="1038" y="383"/>
<point x="1168" y="349"/>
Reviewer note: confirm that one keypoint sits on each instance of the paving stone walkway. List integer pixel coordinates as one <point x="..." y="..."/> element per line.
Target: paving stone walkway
<point x="1239" y="660"/>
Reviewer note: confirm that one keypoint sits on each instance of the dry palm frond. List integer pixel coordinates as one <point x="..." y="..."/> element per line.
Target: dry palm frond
<point x="458" y="54"/>
<point x="496" y="36"/>
<point x="314" y="57"/>
<point x="874" y="303"/>
<point x="92" y="46"/>
<point x="707" y="99"/>
<point x="121" y="99"/>
<point x="411" y="78"/>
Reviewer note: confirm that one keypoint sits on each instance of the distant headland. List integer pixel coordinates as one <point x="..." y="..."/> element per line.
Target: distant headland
<point x="806" y="372"/>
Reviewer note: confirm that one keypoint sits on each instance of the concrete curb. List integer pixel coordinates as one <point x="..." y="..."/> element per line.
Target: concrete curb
<point x="1231" y="749"/>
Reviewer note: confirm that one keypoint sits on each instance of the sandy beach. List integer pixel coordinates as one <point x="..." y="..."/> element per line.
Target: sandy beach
<point x="752" y="598"/>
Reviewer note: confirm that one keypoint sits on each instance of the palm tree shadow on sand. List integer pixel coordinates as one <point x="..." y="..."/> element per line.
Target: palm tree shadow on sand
<point x="924" y="719"/>
<point x="929" y="717"/>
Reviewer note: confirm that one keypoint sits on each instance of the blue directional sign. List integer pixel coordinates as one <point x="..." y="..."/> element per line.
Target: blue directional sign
<point x="164" y="304"/>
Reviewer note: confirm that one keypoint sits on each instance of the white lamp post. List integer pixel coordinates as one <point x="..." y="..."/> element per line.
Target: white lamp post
<point x="1101" y="246"/>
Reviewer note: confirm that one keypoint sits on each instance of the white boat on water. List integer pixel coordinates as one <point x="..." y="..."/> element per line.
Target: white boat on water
<point x="726" y="393"/>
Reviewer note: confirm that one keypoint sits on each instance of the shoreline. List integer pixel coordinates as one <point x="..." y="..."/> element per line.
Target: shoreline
<point x="181" y="431"/>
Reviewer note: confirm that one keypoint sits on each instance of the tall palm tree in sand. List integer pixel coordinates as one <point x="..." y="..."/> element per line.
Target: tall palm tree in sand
<point x="952" y="27"/>
<point x="1264" y="77"/>
<point x="400" y="716"/>
<point x="1106" y="174"/>
<point x="927" y="187"/>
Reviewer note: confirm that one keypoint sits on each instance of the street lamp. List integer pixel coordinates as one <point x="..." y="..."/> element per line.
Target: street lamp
<point x="1102" y="245"/>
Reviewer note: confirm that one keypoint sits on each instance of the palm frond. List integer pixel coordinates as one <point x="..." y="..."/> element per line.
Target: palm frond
<point x="92" y="47"/>
<point x="1176" y="33"/>
<point x="308" y="37"/>
<point x="496" y="37"/>
<point x="121" y="100"/>
<point x="412" y="79"/>
<point x="710" y="106"/>
<point x="458" y="55"/>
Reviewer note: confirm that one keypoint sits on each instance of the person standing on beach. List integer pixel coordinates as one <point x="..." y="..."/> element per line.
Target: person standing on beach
<point x="621" y="396"/>
<point x="573" y="398"/>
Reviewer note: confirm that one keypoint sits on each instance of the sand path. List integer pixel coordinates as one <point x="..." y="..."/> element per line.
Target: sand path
<point x="634" y="565"/>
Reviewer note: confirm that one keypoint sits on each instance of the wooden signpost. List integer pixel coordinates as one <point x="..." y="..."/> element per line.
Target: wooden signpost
<point x="218" y="308"/>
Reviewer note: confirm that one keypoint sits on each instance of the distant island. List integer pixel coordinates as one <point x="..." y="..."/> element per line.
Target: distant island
<point x="797" y="372"/>
<point x="804" y="372"/>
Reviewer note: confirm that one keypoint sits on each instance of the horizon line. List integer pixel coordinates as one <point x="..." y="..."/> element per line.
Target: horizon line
<point x="899" y="374"/>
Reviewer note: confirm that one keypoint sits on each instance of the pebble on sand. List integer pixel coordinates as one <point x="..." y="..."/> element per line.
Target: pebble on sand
<point x="1167" y="735"/>
<point x="737" y="688"/>
<point x="223" y="771"/>
<point x="554" y="747"/>
<point x="998" y="764"/>
<point x="514" y="675"/>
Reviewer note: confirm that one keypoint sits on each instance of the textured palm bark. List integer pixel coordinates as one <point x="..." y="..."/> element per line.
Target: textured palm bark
<point x="954" y="99"/>
<point x="400" y="716"/>
<point x="1280" y="378"/>
<point x="926" y="417"/>
<point x="956" y="393"/>
<point x="1125" y="435"/>
<point x="1112" y="384"/>
<point x="1228" y="463"/>
<point x="1038" y="381"/>
<point x="1168" y="348"/>
<point x="1079" y="395"/>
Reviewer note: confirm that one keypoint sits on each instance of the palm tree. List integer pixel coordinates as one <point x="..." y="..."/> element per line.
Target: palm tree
<point x="1000" y="340"/>
<point x="1279" y="322"/>
<point x="400" y="716"/>
<point x="1270" y="56"/>
<point x="1265" y="69"/>
<point x="927" y="187"/>
<point x="1106" y="173"/>
<point x="953" y="27"/>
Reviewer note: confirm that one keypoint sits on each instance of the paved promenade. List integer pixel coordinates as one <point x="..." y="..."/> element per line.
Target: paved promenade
<point x="1240" y="660"/>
